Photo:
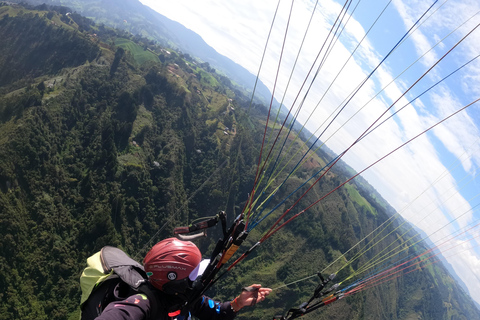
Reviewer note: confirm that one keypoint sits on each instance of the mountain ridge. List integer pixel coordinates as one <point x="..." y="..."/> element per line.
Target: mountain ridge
<point x="108" y="150"/>
<point x="144" y="21"/>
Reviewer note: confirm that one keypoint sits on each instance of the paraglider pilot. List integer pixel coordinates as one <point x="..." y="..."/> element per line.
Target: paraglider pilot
<point x="171" y="266"/>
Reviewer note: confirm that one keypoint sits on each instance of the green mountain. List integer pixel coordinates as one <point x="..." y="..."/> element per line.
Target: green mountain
<point x="138" y="19"/>
<point x="105" y="138"/>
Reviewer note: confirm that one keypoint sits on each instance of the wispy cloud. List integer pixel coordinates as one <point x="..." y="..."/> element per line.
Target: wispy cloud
<point x="408" y="178"/>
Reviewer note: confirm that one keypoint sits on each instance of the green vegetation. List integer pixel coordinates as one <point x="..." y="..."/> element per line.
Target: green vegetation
<point x="33" y="47"/>
<point x="111" y="145"/>
<point x="206" y="78"/>
<point x="359" y="200"/>
<point x="140" y="55"/>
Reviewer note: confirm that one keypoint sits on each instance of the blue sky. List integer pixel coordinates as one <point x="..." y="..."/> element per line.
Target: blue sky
<point x="418" y="180"/>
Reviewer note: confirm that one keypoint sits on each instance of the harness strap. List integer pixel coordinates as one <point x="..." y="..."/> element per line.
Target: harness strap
<point x="155" y="301"/>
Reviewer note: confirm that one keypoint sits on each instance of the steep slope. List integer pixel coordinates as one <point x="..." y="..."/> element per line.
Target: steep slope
<point x="132" y="16"/>
<point x="23" y="55"/>
<point x="121" y="148"/>
<point x="102" y="153"/>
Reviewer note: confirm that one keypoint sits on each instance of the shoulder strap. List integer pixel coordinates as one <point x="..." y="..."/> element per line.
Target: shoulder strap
<point x="157" y="301"/>
<point x="110" y="263"/>
<point x="132" y="273"/>
<point x="129" y="270"/>
<point x="99" y="299"/>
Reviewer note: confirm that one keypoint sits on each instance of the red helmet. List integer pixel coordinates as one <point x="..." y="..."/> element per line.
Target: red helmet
<point x="171" y="259"/>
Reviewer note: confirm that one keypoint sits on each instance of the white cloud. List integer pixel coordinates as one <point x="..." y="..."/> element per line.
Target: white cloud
<point x="238" y="29"/>
<point x="458" y="132"/>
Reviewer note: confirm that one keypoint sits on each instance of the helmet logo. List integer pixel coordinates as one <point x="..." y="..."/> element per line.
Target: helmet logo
<point x="172" y="276"/>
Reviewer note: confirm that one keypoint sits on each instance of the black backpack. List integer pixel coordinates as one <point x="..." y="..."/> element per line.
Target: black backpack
<point x="111" y="275"/>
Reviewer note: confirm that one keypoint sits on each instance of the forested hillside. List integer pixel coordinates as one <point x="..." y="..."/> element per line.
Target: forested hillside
<point x="138" y="19"/>
<point x="108" y="139"/>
